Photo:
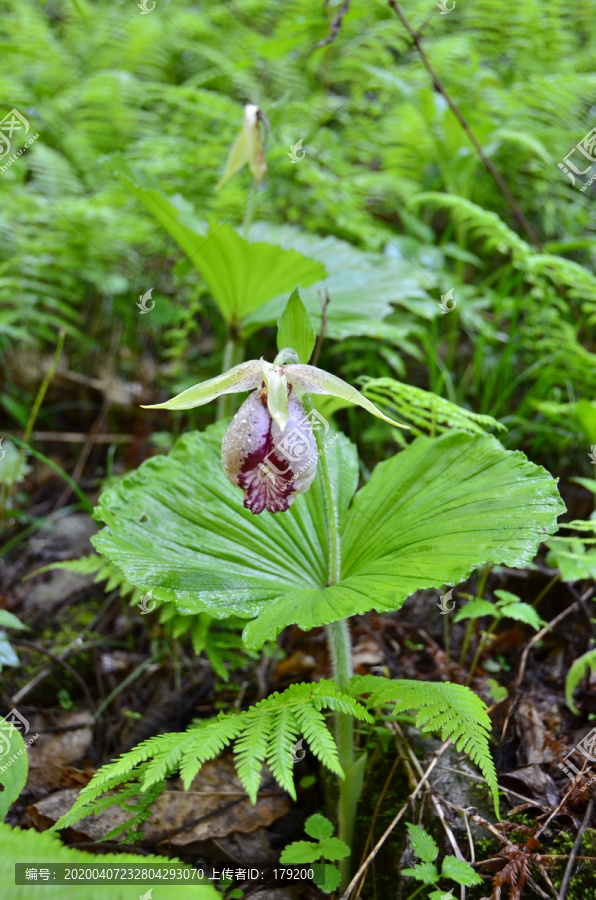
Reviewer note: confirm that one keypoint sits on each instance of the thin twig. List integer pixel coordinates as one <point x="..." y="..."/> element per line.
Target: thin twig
<point x="517" y="212"/>
<point x="561" y="803"/>
<point x="575" y="850"/>
<point x="434" y="799"/>
<point x="124" y="684"/>
<point x="394" y="822"/>
<point x="335" y="27"/>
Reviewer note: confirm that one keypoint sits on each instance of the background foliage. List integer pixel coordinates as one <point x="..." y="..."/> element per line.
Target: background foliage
<point x="387" y="169"/>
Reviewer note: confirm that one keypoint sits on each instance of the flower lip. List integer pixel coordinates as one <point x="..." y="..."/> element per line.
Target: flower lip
<point x="270" y="464"/>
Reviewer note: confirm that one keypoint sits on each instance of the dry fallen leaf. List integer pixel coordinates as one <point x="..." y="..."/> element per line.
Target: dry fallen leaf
<point x="62" y="747"/>
<point x="216" y="792"/>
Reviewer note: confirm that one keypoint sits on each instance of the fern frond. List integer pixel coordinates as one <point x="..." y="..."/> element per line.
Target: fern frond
<point x="265" y="732"/>
<point x="450" y="709"/>
<point x="425" y="412"/>
<point x="102" y="570"/>
<point x="220" y="641"/>
<point x="481" y="224"/>
<point x="279" y="751"/>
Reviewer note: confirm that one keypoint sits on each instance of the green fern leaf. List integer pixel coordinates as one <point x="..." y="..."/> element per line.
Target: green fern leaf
<point x="424" y="411"/>
<point x="450" y="709"/>
<point x="251" y="748"/>
<point x="265" y="732"/>
<point x="279" y="751"/>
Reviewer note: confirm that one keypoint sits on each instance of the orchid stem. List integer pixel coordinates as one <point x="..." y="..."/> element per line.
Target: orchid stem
<point x="340" y="651"/>
<point x="233" y="352"/>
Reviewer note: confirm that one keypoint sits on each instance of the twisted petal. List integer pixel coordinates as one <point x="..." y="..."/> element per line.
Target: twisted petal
<point x="270" y="464"/>
<point x="317" y="381"/>
<point x="244" y="377"/>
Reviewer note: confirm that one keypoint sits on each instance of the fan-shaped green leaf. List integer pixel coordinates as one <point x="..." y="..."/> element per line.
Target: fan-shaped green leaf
<point x="241" y="275"/>
<point x="365" y="287"/>
<point x="427" y="517"/>
<point x="212" y="554"/>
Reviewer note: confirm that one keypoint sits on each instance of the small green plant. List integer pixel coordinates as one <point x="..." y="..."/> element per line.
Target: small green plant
<point x="575" y="674"/>
<point x="65" y="700"/>
<point x="575" y="556"/>
<point x="230" y="893"/>
<point x="508" y="606"/>
<point x="425" y="871"/>
<point x="324" y="846"/>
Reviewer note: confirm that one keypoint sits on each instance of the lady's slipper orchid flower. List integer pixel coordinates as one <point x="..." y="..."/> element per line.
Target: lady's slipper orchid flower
<point x="269" y="448"/>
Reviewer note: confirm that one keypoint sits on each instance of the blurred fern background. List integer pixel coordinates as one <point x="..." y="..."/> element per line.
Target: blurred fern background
<point x="388" y="170"/>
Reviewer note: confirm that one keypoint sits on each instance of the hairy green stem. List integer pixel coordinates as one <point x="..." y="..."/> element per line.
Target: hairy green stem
<point x="233" y="353"/>
<point x="340" y="651"/>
